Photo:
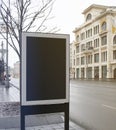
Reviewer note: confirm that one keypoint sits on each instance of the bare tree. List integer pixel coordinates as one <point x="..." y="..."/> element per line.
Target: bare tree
<point x="24" y="15"/>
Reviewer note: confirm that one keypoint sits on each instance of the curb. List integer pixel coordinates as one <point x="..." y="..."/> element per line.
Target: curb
<point x="30" y="121"/>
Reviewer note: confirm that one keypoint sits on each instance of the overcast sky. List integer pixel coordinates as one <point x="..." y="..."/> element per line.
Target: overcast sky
<point x="68" y="15"/>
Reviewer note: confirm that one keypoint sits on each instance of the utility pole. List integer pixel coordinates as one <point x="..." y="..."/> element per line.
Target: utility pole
<point x="7" y="73"/>
<point x="2" y="61"/>
<point x="2" y="51"/>
<point x="7" y="30"/>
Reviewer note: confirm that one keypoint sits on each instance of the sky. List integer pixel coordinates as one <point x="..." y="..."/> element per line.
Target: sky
<point x="67" y="16"/>
<point x="68" y="13"/>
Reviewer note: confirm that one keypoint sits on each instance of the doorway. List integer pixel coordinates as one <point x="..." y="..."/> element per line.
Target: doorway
<point x="115" y="73"/>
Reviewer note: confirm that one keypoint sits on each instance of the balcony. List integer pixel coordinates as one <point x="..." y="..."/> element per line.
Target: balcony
<point x="96" y="49"/>
<point x="113" y="62"/>
<point x="103" y="33"/>
<point x="114" y="46"/>
<point x="76" y="42"/>
<point x="88" y="50"/>
<point x="104" y="47"/>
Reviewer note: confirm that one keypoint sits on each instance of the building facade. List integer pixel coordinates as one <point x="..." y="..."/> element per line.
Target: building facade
<point x="16" y="70"/>
<point x="94" y="47"/>
<point x="72" y="70"/>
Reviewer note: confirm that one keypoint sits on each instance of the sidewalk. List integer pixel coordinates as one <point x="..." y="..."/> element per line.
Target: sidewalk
<point x="37" y="122"/>
<point x="10" y="119"/>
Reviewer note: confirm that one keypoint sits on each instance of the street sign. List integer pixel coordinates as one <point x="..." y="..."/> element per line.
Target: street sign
<point x="45" y="69"/>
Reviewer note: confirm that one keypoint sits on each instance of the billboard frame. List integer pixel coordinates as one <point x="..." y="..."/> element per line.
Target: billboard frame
<point x="24" y="64"/>
<point x="43" y="106"/>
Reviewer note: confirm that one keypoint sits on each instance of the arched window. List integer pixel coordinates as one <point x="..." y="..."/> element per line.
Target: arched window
<point x="89" y="16"/>
<point x="77" y="38"/>
<point x="104" y="26"/>
<point x="114" y="40"/>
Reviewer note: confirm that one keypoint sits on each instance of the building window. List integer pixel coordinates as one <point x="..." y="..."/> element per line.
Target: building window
<point x="104" y="40"/>
<point x="104" y="71"/>
<point x="96" y="72"/>
<point x="104" y="56"/>
<point x="82" y="36"/>
<point x="83" y="47"/>
<point x="96" y="29"/>
<point x="77" y="38"/>
<point x="96" y="57"/>
<point x="73" y="61"/>
<point x="89" y="33"/>
<point x="104" y="26"/>
<point x="89" y="44"/>
<point x="89" y="59"/>
<point x="82" y="72"/>
<point x="82" y="60"/>
<point x="89" y="16"/>
<point x="114" y="40"/>
<point x="77" y="61"/>
<point x="86" y="34"/>
<point x="96" y="43"/>
<point x="77" y="49"/>
<point x="77" y="72"/>
<point x="114" y="54"/>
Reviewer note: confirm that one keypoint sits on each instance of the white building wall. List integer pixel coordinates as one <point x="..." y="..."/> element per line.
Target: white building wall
<point x="110" y="63"/>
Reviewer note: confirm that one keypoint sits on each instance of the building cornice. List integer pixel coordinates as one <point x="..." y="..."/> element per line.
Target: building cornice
<point x="97" y="18"/>
<point x="103" y="33"/>
<point x="94" y="6"/>
<point x="76" y="43"/>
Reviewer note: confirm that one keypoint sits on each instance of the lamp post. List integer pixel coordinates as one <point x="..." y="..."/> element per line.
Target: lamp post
<point x="6" y="28"/>
<point x="2" y="51"/>
<point x="7" y="73"/>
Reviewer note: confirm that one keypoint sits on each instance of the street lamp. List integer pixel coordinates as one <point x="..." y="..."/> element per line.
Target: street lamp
<point x="2" y="51"/>
<point x="7" y="73"/>
<point x="6" y="30"/>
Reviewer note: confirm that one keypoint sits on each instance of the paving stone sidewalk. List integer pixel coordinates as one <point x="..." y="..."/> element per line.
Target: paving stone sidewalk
<point x="59" y="126"/>
<point x="37" y="122"/>
<point x="10" y="111"/>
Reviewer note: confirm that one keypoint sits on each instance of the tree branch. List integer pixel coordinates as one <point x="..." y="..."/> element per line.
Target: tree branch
<point x="21" y="17"/>
<point x="38" y="12"/>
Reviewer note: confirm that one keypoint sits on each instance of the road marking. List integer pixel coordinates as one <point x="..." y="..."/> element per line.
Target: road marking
<point x="111" y="107"/>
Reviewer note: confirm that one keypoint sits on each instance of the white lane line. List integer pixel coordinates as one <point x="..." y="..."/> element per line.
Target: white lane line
<point x="111" y="107"/>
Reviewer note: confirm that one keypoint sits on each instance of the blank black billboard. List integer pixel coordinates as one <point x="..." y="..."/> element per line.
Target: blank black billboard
<point x="45" y="68"/>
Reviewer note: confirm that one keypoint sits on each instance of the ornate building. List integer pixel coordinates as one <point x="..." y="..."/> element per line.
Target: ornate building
<point x="94" y="48"/>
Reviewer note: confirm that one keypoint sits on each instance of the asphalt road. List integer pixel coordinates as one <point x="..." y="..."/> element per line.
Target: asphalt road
<point x="93" y="104"/>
